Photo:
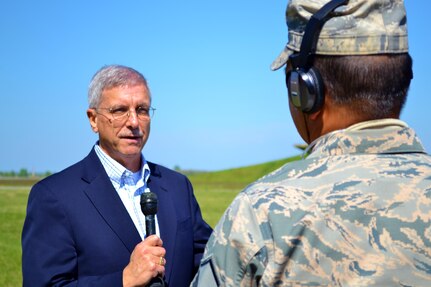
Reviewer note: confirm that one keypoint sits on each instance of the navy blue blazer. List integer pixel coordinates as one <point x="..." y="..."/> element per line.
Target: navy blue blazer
<point x="77" y="231"/>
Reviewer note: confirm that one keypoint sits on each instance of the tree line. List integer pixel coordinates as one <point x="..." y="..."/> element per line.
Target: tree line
<point x="24" y="173"/>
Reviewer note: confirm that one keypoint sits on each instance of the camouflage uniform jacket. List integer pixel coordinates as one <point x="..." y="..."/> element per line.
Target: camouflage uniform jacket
<point x="355" y="212"/>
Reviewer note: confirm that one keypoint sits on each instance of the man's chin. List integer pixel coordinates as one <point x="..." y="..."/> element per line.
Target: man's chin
<point x="131" y="151"/>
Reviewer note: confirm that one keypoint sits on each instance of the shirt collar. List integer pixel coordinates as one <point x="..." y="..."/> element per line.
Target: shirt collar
<point x="116" y="172"/>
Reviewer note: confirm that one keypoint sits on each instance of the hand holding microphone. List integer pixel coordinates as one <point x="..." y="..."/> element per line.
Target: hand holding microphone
<point x="149" y="208"/>
<point x="147" y="261"/>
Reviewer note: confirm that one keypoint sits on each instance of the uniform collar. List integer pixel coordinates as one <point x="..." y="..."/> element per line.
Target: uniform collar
<point x="369" y="137"/>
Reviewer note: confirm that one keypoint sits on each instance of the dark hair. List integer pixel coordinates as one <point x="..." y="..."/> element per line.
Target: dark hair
<point x="372" y="86"/>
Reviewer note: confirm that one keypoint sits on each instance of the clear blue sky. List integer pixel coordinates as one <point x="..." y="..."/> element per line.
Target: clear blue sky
<point x="207" y="62"/>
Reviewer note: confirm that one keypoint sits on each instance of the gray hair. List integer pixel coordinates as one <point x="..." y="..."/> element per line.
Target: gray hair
<point x="110" y="77"/>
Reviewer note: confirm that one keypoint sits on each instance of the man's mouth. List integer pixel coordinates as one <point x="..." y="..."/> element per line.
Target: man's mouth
<point x="131" y="137"/>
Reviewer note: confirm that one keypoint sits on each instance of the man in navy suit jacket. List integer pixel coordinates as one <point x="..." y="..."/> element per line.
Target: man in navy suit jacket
<point x="82" y="229"/>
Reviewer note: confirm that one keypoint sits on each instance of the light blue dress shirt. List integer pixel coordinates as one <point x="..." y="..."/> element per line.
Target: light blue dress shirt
<point x="129" y="186"/>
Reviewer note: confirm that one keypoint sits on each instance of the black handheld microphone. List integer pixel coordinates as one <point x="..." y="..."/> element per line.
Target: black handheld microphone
<point x="149" y="209"/>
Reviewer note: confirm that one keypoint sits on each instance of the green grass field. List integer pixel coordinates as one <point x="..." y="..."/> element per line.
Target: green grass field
<point x="214" y="191"/>
<point x="12" y="211"/>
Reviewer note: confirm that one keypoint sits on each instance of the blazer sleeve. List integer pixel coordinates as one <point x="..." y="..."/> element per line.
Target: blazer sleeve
<point x="49" y="256"/>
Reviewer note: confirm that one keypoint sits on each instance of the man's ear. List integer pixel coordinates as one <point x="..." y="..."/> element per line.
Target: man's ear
<point x="92" y="117"/>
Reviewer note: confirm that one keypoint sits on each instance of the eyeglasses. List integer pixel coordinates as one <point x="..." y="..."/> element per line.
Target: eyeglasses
<point x="120" y="114"/>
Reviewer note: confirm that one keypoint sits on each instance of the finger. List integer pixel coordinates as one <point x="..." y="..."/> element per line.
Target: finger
<point x="153" y="240"/>
<point x="159" y="260"/>
<point x="157" y="252"/>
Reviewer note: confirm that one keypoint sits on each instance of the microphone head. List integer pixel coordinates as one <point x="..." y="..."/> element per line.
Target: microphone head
<point x="149" y="203"/>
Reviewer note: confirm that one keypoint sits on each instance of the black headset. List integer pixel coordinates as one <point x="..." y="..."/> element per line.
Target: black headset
<point x="304" y="83"/>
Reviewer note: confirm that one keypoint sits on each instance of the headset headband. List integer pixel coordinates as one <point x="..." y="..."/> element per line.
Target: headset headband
<point x="304" y="58"/>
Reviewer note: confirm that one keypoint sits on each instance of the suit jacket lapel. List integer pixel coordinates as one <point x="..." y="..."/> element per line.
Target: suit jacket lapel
<point x="165" y="216"/>
<point x="106" y="200"/>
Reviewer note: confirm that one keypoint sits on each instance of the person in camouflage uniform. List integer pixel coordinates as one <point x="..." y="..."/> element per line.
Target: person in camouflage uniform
<point x="357" y="210"/>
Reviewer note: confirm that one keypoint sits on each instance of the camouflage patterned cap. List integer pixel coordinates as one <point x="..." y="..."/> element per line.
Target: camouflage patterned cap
<point x="362" y="27"/>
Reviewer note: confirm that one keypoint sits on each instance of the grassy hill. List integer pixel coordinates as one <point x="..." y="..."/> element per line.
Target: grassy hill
<point x="236" y="178"/>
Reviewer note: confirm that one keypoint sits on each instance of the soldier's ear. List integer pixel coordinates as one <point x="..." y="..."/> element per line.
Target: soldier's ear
<point x="314" y="116"/>
<point x="326" y="107"/>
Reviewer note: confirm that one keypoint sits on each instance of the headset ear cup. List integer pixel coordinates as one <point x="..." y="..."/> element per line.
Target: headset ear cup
<point x="317" y="89"/>
<point x="311" y="90"/>
<point x="305" y="90"/>
<point x="293" y="79"/>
